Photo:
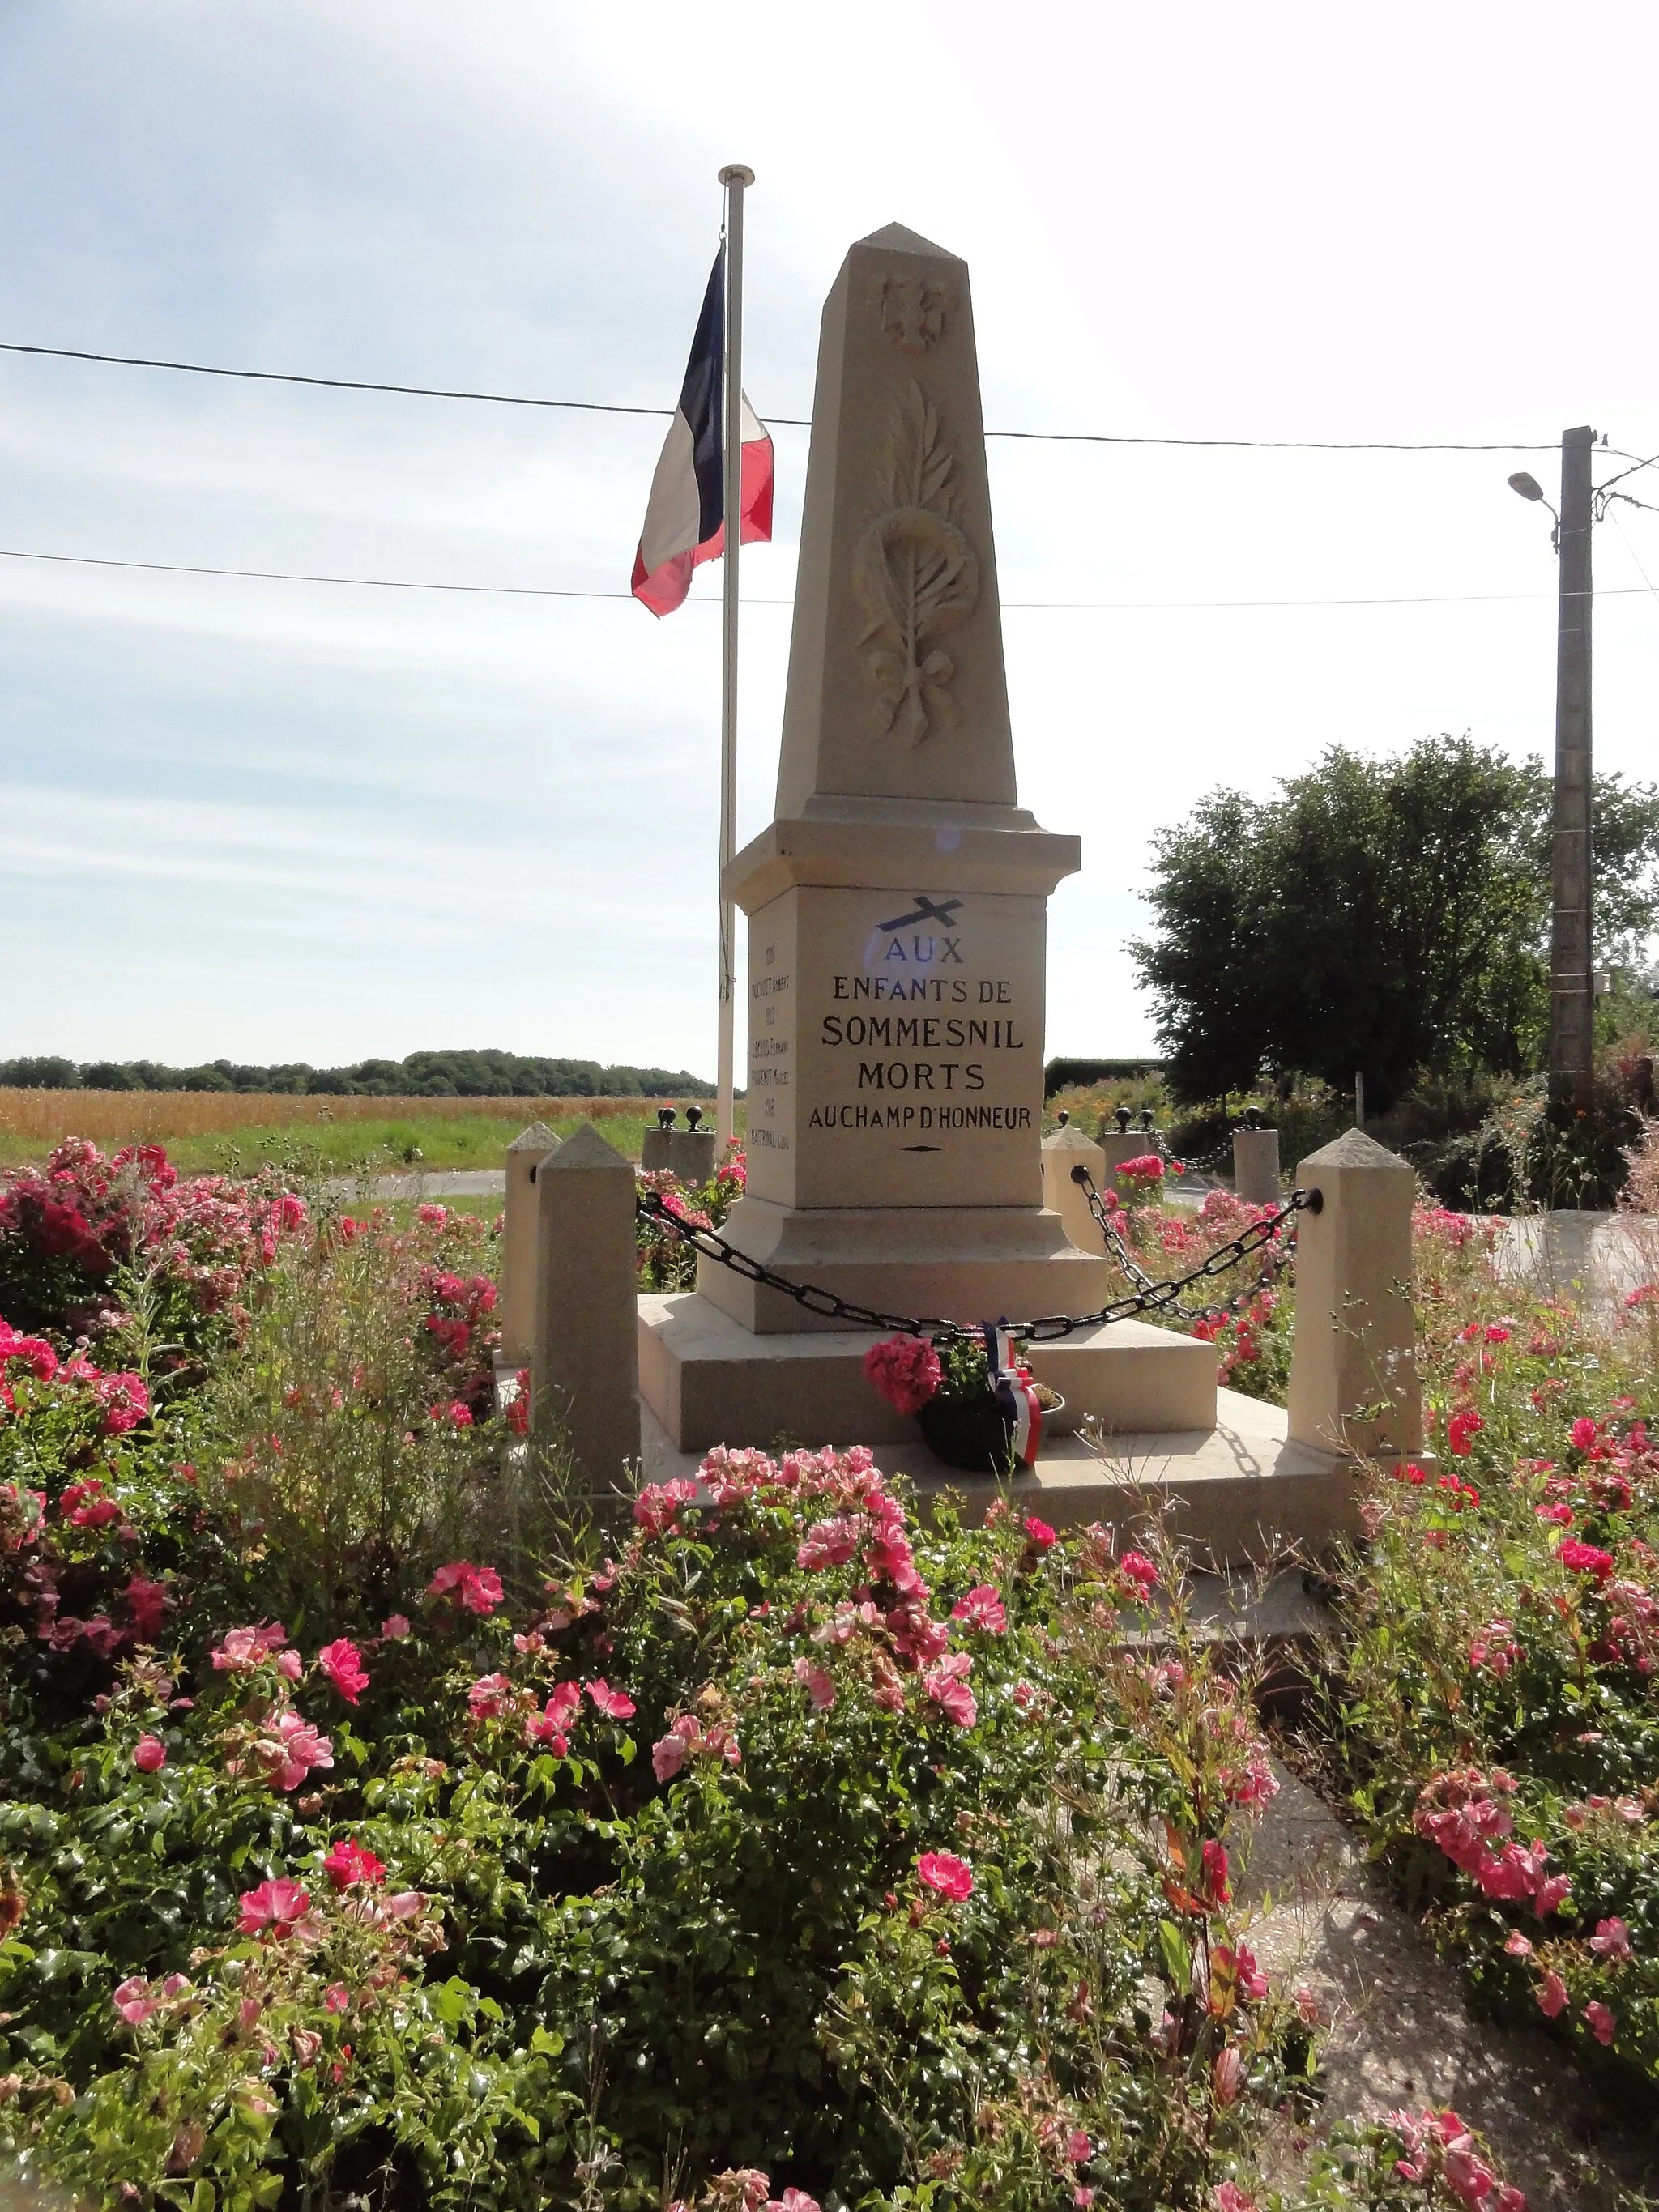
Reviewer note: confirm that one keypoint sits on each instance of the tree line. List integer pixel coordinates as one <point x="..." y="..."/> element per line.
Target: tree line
<point x="482" y="1074"/>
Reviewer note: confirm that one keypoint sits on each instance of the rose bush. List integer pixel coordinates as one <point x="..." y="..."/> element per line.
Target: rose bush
<point x="791" y="1851"/>
<point x="1498" y="1719"/>
<point x="414" y="1903"/>
<point x="663" y="1261"/>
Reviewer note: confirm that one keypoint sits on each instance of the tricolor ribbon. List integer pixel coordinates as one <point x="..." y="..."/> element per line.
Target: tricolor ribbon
<point x="1012" y="1389"/>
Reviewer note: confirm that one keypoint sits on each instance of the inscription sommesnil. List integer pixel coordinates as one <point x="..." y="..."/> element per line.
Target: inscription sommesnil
<point x="892" y="1040"/>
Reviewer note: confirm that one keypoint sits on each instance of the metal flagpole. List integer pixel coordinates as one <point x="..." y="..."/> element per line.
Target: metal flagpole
<point x="734" y="178"/>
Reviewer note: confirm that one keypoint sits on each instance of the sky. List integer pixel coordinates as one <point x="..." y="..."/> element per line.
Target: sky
<point x="284" y="821"/>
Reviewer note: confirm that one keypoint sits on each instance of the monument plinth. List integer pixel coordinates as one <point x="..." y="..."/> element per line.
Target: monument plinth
<point x="897" y="912"/>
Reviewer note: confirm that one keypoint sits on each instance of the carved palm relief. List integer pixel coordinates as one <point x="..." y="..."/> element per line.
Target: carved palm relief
<point x="915" y="576"/>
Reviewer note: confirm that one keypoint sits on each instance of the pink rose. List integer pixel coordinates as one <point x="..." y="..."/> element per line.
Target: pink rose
<point x="983" y="1608"/>
<point x="946" y="1684"/>
<point x="133" y="2001"/>
<point x="1136" y="1568"/>
<point x="277" y="1907"/>
<point x="489" y="1697"/>
<point x="1611" y="1940"/>
<point x="1240" y="1966"/>
<point x="395" y="1628"/>
<point x="668" y="1756"/>
<point x="349" y="1862"/>
<point x="819" y="1686"/>
<point x="1603" y="2024"/>
<point x="1552" y="1996"/>
<point x="615" y="1705"/>
<point x="477" y="1589"/>
<point x="293" y="1750"/>
<point x="151" y="1754"/>
<point x="342" y="1663"/>
<point x="943" y="1871"/>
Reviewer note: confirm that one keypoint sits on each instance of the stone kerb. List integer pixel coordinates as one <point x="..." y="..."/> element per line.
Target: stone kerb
<point x="1255" y="1166"/>
<point x="585" y="1364"/>
<point x="1354" y="1388"/>
<point x="1066" y="1149"/>
<point x="518" y="1243"/>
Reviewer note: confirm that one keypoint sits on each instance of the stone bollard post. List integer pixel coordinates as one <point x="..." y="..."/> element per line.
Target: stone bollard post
<point x="585" y="1363"/>
<point x="519" y="1243"/>
<point x="1066" y="1149"/>
<point x="1255" y="1165"/>
<point x="692" y="1152"/>
<point x="1354" y="1384"/>
<point x="656" y="1145"/>
<point x="1119" y="1142"/>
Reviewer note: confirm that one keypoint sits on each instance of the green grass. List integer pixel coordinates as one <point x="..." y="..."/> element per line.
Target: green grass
<point x="342" y="1147"/>
<point x="380" y="1148"/>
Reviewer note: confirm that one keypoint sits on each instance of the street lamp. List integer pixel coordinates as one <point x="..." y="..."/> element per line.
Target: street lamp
<point x="1529" y="487"/>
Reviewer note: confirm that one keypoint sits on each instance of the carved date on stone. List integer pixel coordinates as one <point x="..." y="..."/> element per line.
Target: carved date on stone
<point x="915" y="576"/>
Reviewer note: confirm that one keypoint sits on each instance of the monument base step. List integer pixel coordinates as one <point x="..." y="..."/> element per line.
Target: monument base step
<point x="963" y="1263"/>
<point x="1236" y="1494"/>
<point x="710" y="1380"/>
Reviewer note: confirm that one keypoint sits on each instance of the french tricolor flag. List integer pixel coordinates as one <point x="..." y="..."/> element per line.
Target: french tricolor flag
<point x="685" y="519"/>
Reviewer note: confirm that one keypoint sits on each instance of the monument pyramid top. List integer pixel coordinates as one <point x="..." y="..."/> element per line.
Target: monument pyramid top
<point x="896" y="690"/>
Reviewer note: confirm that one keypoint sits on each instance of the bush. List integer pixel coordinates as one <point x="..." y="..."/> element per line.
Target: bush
<point x="1497" y="1712"/>
<point x="802" y="1844"/>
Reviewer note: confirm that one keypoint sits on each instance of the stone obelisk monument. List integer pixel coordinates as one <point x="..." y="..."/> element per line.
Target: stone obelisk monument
<point x="897" y="908"/>
<point x="896" y="905"/>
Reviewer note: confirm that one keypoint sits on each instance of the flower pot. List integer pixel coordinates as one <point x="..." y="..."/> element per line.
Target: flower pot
<point x="973" y="1434"/>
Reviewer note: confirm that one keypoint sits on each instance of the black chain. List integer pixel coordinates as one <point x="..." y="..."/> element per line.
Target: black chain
<point x="1208" y="1162"/>
<point x="1252" y="1239"/>
<point x="1151" y="1297"/>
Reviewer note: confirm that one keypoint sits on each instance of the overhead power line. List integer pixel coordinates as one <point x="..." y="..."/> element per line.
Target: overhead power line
<point x="780" y="422"/>
<point x="565" y="592"/>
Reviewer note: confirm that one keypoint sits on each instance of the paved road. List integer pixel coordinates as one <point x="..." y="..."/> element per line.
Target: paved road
<point x="1599" y="1257"/>
<point x="442" y="1183"/>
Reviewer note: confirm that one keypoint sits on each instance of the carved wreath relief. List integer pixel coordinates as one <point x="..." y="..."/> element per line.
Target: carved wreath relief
<point x="915" y="576"/>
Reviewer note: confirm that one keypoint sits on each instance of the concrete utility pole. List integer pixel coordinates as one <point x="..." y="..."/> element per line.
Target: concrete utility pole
<point x="1571" y="953"/>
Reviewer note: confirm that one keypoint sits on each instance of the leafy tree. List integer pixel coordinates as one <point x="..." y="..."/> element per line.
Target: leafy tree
<point x="1386" y="916"/>
<point x="44" y="1073"/>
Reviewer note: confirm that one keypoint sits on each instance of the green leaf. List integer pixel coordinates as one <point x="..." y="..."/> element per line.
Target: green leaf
<point x="1177" y="1958"/>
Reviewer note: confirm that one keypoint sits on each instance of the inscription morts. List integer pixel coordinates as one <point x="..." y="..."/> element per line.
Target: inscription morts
<point x="895" y="1049"/>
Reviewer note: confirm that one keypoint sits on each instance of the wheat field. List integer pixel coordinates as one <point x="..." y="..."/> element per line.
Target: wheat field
<point x="212" y="1129"/>
<point x="124" y="1117"/>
